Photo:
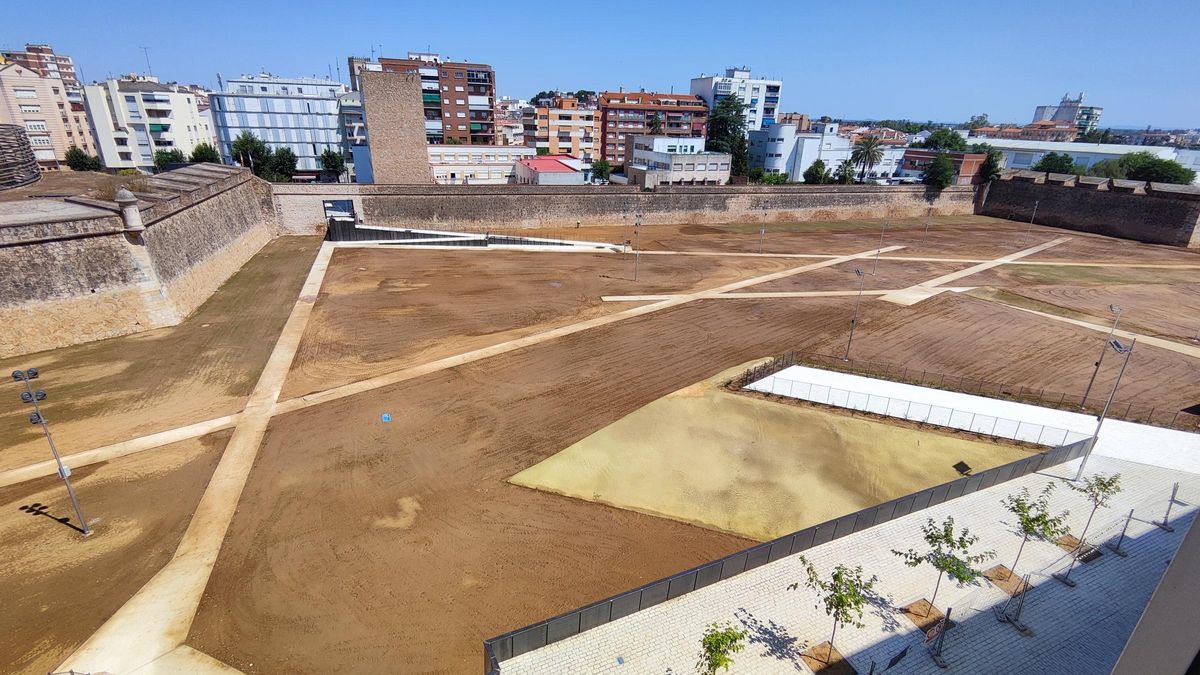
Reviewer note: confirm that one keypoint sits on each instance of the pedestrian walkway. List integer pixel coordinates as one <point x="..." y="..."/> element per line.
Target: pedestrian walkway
<point x="1074" y="630"/>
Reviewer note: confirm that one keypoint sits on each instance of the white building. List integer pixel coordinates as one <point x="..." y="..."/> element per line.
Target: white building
<point x="300" y="113"/>
<point x="476" y="164"/>
<point x="552" y="170"/>
<point x="781" y="148"/>
<point x="136" y="116"/>
<point x="668" y="160"/>
<point x="1022" y="154"/>
<point x="761" y="97"/>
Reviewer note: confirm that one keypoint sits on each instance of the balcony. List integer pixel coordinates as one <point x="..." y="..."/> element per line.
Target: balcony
<point x="431" y="98"/>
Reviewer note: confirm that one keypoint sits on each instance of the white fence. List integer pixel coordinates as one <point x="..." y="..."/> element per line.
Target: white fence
<point x="987" y="425"/>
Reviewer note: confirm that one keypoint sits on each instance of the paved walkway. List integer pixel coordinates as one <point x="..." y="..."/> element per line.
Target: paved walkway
<point x="927" y="289"/>
<point x="1074" y="630"/>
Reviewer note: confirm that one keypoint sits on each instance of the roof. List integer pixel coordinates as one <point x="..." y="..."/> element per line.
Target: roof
<point x="1066" y="146"/>
<point x="642" y="99"/>
<point x="131" y="85"/>
<point x="550" y="164"/>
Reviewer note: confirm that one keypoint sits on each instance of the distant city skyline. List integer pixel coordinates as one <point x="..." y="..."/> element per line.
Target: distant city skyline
<point x="875" y="60"/>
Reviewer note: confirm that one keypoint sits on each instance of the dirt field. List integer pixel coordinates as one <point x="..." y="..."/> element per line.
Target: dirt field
<point x="111" y="390"/>
<point x="70" y="183"/>
<point x="751" y="466"/>
<point x="359" y="543"/>
<point x="888" y="275"/>
<point x="1166" y="309"/>
<point x="63" y="586"/>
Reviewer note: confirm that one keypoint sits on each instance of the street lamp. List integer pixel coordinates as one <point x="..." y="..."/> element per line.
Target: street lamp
<point x="1103" y="350"/>
<point x="34" y="397"/>
<point x="762" y="230"/>
<point x="1030" y="228"/>
<point x="1120" y="349"/>
<point x="854" y="321"/>
<point x="637" y="249"/>
<point x="882" y="232"/>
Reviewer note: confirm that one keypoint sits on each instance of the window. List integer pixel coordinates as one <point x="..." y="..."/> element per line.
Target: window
<point x="712" y="166"/>
<point x="262" y="89"/>
<point x="460" y="114"/>
<point x="689" y="167"/>
<point x="445" y="101"/>
<point x="24" y="93"/>
<point x="39" y="140"/>
<point x="700" y="167"/>
<point x="31" y="109"/>
<point x="35" y="125"/>
<point x="458" y="75"/>
<point x="462" y="127"/>
<point x="458" y="87"/>
<point x="435" y="157"/>
<point x="459" y="101"/>
<point x="476" y="158"/>
<point x="724" y="166"/>
<point x="678" y="166"/>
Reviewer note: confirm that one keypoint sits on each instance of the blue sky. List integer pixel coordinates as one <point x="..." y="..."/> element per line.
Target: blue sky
<point x="932" y="60"/>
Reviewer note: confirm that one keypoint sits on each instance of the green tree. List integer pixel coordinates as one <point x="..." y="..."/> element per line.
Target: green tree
<point x="867" y="152"/>
<point x="453" y="140"/>
<point x="332" y="162"/>
<point x="585" y="95"/>
<point x="283" y="164"/>
<point x="940" y="172"/>
<point x="601" y="169"/>
<point x="78" y="160"/>
<point x="655" y="126"/>
<point x="1099" y="489"/>
<point x="946" y="140"/>
<point x="1054" y="162"/>
<point x="948" y="552"/>
<point x="817" y="174"/>
<point x="542" y="151"/>
<point x="727" y="133"/>
<point x="842" y="595"/>
<point x="249" y="151"/>
<point x="1108" y="168"/>
<point x="990" y="170"/>
<point x="976" y="121"/>
<point x="1033" y="518"/>
<point x="775" y="179"/>
<point x="756" y="174"/>
<point x="543" y="94"/>
<point x="717" y="647"/>
<point x="844" y="174"/>
<point x="164" y="157"/>
<point x="1096" y="136"/>
<point x="1149" y="167"/>
<point x="205" y="153"/>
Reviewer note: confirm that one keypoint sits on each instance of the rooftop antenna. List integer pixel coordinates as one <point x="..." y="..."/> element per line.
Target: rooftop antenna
<point x="372" y="52"/>
<point x="146" y="51"/>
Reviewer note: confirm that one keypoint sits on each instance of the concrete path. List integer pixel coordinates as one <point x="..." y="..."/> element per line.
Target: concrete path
<point x="927" y="289"/>
<point x="156" y="620"/>
<point x="1161" y="343"/>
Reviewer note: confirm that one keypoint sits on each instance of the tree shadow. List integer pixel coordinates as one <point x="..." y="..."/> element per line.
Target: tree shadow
<point x="39" y="509"/>
<point x="885" y="608"/>
<point x="774" y="638"/>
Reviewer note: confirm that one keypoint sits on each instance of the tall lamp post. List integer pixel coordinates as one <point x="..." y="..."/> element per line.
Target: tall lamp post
<point x="1030" y="228"/>
<point x="34" y="397"/>
<point x="1120" y="349"/>
<point x="637" y="248"/>
<point x="854" y="320"/>
<point x="875" y="266"/>
<point x="1103" y="350"/>
<point x="762" y="231"/>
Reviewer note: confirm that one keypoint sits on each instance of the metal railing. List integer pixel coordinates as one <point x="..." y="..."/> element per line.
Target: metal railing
<point x="914" y="411"/>
<point x="542" y="633"/>
<point x="1127" y="410"/>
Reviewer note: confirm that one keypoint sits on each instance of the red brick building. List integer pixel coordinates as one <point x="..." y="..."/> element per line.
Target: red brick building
<point x="966" y="164"/>
<point x="627" y="114"/>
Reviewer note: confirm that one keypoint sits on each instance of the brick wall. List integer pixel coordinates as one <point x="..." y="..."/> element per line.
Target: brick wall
<point x="1152" y="213"/>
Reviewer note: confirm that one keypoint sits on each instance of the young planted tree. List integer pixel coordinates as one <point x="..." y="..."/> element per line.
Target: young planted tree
<point x="717" y="647"/>
<point x="844" y="174"/>
<point x="867" y="152"/>
<point x="1099" y="489"/>
<point x="949" y="552"/>
<point x="205" y="153"/>
<point x="1034" y="519"/>
<point x="816" y="173"/>
<point x="842" y="595"/>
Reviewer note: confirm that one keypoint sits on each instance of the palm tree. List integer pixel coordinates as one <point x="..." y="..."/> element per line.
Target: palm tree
<point x="868" y="152"/>
<point x="656" y="125"/>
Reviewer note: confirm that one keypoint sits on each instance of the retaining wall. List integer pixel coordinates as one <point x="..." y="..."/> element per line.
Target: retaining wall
<point x="75" y="280"/>
<point x="497" y="207"/>
<point x="1154" y="213"/>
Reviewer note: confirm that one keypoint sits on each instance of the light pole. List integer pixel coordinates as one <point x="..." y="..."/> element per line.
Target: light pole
<point x="625" y="228"/>
<point x="762" y="230"/>
<point x="882" y="232"/>
<point x="1103" y="349"/>
<point x="1030" y="228"/>
<point x="31" y="396"/>
<point x="637" y="247"/>
<point x="1120" y="349"/>
<point x="854" y="321"/>
<point x="928" y="215"/>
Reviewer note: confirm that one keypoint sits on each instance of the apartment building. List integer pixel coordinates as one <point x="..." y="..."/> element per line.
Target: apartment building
<point x="300" y="113"/>
<point x="1042" y="130"/>
<point x="353" y="127"/>
<point x="135" y="116"/>
<point x="42" y="60"/>
<point x="783" y="148"/>
<point x="1084" y="118"/>
<point x="666" y="160"/>
<point x="967" y="165"/>
<point x="40" y="105"/>
<point x="458" y="98"/>
<point x="761" y="97"/>
<point x="563" y="128"/>
<point x="626" y="114"/>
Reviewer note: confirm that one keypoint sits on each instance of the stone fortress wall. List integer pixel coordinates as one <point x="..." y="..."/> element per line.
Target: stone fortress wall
<point x="111" y="269"/>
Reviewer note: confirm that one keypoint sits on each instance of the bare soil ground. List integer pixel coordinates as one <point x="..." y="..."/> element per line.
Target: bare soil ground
<point x="888" y="275"/>
<point x="71" y="183"/>
<point x="120" y="388"/>
<point x="1164" y="309"/>
<point x="59" y="587"/>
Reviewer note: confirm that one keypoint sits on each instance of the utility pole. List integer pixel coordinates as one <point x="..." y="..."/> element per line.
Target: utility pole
<point x="1120" y="349"/>
<point x="1036" y="202"/>
<point x="762" y="231"/>
<point x="34" y="397"/>
<point x="637" y="247"/>
<point x="854" y="321"/>
<point x="1103" y="349"/>
<point x="875" y="266"/>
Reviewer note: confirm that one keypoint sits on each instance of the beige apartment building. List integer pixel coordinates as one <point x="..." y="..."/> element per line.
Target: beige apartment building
<point x="40" y="105"/>
<point x="563" y="128"/>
